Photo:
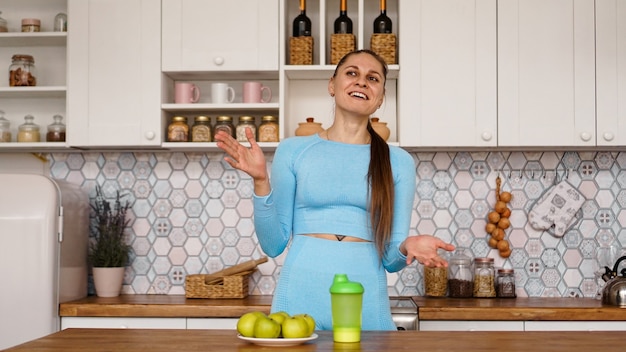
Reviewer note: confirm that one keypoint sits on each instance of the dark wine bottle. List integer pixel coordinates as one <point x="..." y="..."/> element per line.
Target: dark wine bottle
<point x="343" y="23"/>
<point x="382" y="23"/>
<point x="302" y="24"/>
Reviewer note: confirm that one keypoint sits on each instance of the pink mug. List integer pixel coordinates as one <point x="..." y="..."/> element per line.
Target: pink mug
<point x="186" y="93"/>
<point x="253" y="92"/>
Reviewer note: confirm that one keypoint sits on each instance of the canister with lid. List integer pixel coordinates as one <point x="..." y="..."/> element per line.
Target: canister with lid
<point x="245" y="122"/>
<point x="56" y="130"/>
<point x="201" y="129"/>
<point x="22" y="71"/>
<point x="436" y="279"/>
<point x="29" y="130"/>
<point x="460" y="275"/>
<point x="31" y="25"/>
<point x="3" y="24"/>
<point x="505" y="283"/>
<point x="484" y="278"/>
<point x="178" y="130"/>
<point x="5" y="129"/>
<point x="268" y="130"/>
<point x="225" y="123"/>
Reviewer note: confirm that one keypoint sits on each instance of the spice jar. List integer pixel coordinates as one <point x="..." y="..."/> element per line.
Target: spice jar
<point x="178" y="130"/>
<point x="245" y="122"/>
<point x="225" y="123"/>
<point x="201" y="129"/>
<point x="31" y="25"/>
<point x="56" y="130"/>
<point x="3" y="24"/>
<point x="505" y="284"/>
<point x="28" y="131"/>
<point x="268" y="129"/>
<point x="5" y="129"/>
<point x="484" y="278"/>
<point x="22" y="71"/>
<point x="460" y="276"/>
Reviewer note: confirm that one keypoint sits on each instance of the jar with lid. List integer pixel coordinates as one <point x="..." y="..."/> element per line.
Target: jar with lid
<point x="484" y="278"/>
<point x="56" y="130"/>
<point x="436" y="280"/>
<point x="3" y="24"/>
<point x="5" y="129"/>
<point x="225" y="123"/>
<point x="201" y="129"/>
<point x="60" y="22"/>
<point x="309" y="127"/>
<point x="460" y="276"/>
<point x="178" y="130"/>
<point x="268" y="129"/>
<point x="29" y="130"/>
<point x="245" y="122"/>
<point x="505" y="283"/>
<point x="31" y="25"/>
<point x="22" y="71"/>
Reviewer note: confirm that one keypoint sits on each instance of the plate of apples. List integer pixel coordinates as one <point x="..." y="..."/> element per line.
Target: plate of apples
<point x="276" y="329"/>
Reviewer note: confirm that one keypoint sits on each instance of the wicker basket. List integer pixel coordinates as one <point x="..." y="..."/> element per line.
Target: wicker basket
<point x="384" y="44"/>
<point x="340" y="45"/>
<point x="234" y="286"/>
<point x="301" y="50"/>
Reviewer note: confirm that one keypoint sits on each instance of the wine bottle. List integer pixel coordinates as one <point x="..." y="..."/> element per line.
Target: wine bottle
<point x="302" y="24"/>
<point x="343" y="23"/>
<point x="382" y="23"/>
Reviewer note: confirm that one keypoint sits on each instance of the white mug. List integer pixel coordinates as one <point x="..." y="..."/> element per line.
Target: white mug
<point x="222" y="93"/>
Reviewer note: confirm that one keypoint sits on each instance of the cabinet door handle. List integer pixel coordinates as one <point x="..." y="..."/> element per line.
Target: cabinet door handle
<point x="608" y="136"/>
<point x="150" y="135"/>
<point x="486" y="136"/>
<point x="218" y="60"/>
<point x="585" y="136"/>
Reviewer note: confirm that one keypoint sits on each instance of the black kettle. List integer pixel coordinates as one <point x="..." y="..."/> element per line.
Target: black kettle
<point x="614" y="292"/>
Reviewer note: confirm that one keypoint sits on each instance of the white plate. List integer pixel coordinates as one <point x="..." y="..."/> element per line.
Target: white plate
<point x="278" y="341"/>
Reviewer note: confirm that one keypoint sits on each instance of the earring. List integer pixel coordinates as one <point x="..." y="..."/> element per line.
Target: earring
<point x="332" y="94"/>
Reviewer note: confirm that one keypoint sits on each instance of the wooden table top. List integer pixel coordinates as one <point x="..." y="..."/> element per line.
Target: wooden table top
<point x="125" y="340"/>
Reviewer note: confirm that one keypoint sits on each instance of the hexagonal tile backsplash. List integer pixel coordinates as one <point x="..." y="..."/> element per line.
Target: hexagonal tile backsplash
<point x="193" y="214"/>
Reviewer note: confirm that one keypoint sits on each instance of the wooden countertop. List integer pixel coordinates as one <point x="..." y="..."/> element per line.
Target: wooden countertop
<point x="125" y="340"/>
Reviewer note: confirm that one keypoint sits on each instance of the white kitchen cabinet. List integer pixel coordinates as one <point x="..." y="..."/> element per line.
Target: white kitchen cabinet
<point x="611" y="72"/>
<point x="463" y="325"/>
<point x="115" y="73"/>
<point x="123" y="323"/>
<point x="546" y="73"/>
<point x="212" y="323"/>
<point x="49" y="50"/>
<point x="575" y="326"/>
<point x="447" y="86"/>
<point x="235" y="35"/>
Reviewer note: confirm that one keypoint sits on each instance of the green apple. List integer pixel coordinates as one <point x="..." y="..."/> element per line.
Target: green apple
<point x="245" y="324"/>
<point x="295" y="327"/>
<point x="266" y="328"/>
<point x="309" y="320"/>
<point x="279" y="317"/>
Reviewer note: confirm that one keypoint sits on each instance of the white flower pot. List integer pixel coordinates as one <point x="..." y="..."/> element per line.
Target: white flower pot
<point x="108" y="281"/>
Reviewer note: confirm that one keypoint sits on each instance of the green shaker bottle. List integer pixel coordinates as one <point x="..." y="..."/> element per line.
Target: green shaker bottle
<point x="347" y="304"/>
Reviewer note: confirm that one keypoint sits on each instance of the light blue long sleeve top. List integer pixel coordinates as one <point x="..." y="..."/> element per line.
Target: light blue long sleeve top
<point x="320" y="186"/>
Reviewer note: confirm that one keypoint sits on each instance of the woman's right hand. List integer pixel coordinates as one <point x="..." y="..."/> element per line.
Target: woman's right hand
<point x="249" y="160"/>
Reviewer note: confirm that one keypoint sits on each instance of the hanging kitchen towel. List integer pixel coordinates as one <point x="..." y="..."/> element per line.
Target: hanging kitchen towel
<point x="558" y="208"/>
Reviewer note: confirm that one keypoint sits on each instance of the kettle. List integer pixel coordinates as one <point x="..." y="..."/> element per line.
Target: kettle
<point x="614" y="292"/>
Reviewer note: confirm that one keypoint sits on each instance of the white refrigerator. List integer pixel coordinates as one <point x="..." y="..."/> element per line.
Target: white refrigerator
<point x="44" y="232"/>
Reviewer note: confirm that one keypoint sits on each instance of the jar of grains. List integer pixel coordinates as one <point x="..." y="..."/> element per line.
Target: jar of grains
<point x="56" y="130"/>
<point x="201" y="129"/>
<point x="28" y="131"/>
<point x="268" y="130"/>
<point x="460" y="276"/>
<point x="31" y="25"/>
<point x="5" y="129"/>
<point x="22" y="71"/>
<point x="245" y="122"/>
<point x="178" y="130"/>
<point x="484" y="278"/>
<point x="505" y="284"/>
<point x="436" y="280"/>
<point x="225" y="123"/>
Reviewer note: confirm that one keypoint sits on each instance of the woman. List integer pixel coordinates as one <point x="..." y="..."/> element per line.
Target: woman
<point x="343" y="198"/>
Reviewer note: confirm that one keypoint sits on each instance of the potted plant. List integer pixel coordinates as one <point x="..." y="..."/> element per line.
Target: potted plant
<point x="108" y="249"/>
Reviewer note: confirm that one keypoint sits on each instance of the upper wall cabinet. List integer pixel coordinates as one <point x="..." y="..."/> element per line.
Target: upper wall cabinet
<point x="115" y="77"/>
<point x="546" y="73"/>
<point x="611" y="72"/>
<point x="234" y="35"/>
<point x="447" y="84"/>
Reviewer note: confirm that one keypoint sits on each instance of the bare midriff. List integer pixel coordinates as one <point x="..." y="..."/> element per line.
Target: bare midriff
<point x="331" y="237"/>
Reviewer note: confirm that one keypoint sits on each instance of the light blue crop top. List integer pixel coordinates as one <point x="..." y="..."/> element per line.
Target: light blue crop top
<point x="320" y="186"/>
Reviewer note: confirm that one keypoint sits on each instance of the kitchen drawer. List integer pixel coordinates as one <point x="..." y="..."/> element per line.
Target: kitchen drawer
<point x="464" y="325"/>
<point x="575" y="326"/>
<point x="212" y="323"/>
<point x="123" y="323"/>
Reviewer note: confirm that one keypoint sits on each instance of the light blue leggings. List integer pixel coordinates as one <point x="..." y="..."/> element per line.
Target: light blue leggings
<point x="308" y="271"/>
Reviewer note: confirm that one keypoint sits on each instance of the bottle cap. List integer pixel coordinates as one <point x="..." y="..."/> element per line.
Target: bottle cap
<point x="341" y="284"/>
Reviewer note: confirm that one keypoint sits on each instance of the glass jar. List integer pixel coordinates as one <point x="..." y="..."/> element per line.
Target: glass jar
<point x="436" y="279"/>
<point x="484" y="278"/>
<point x="460" y="276"/>
<point x="31" y="25"/>
<point x="3" y="24"/>
<point x="5" y="129"/>
<point x="29" y="130"/>
<point x="505" y="284"/>
<point x="22" y="71"/>
<point x="268" y="130"/>
<point x="245" y="122"/>
<point x="225" y="123"/>
<point x="201" y="129"/>
<point x="60" y="22"/>
<point x="178" y="130"/>
<point x="56" y="130"/>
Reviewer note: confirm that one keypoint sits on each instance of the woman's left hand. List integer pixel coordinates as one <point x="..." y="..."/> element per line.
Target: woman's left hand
<point x="424" y="248"/>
